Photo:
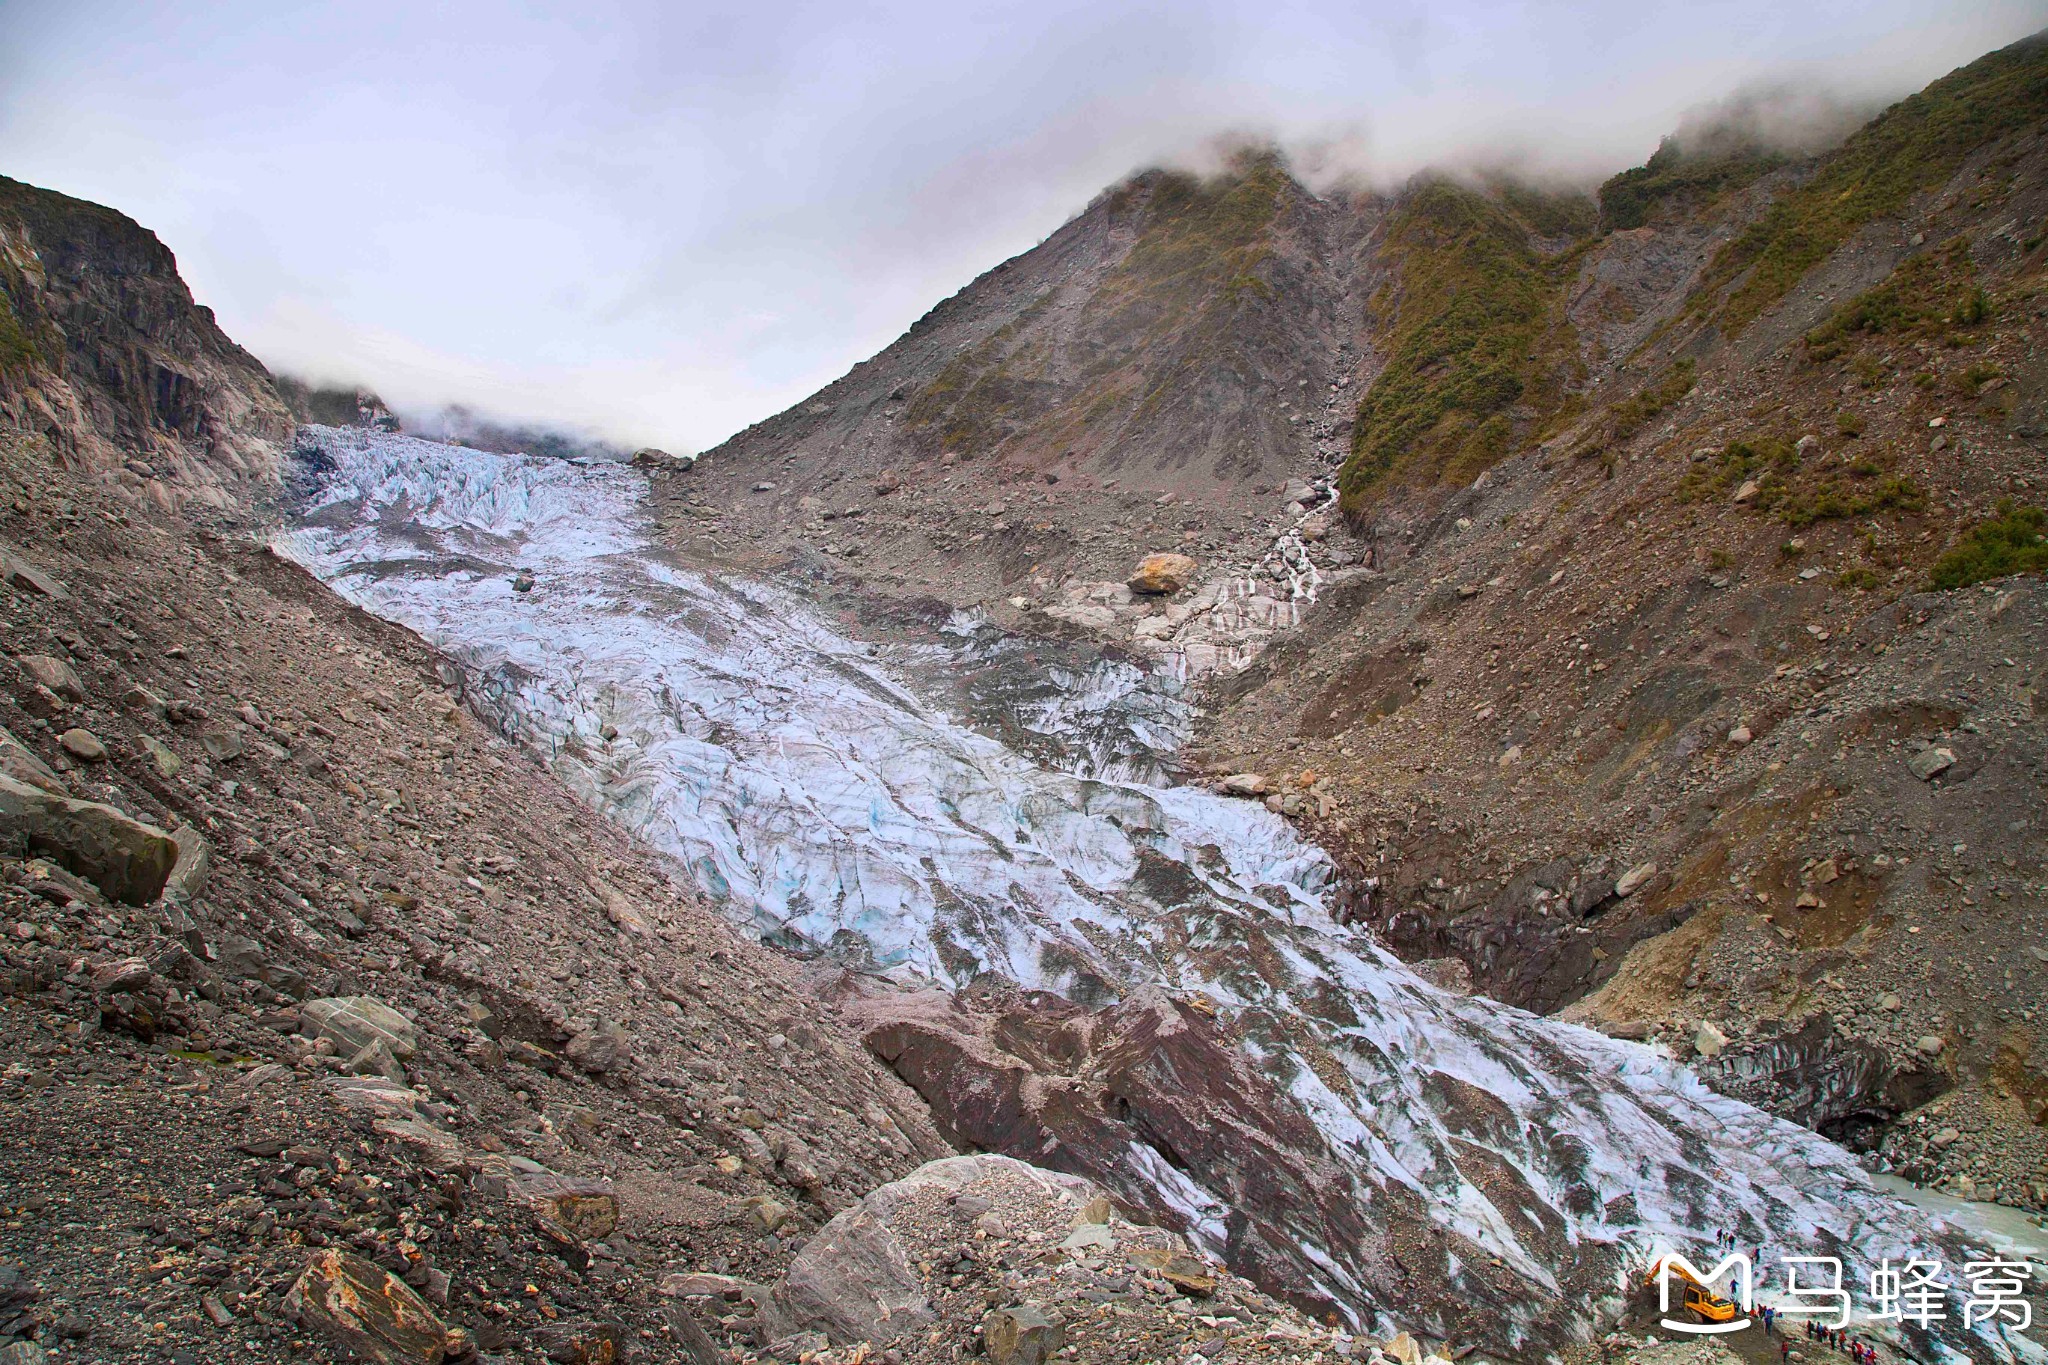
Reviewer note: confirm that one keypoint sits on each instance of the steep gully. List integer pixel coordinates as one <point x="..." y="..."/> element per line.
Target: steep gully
<point x="1073" y="961"/>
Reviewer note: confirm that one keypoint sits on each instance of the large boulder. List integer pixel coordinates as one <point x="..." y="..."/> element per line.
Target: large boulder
<point x="857" y="1279"/>
<point x="54" y="674"/>
<point x="125" y="858"/>
<point x="23" y="574"/>
<point x="1023" y="1335"/>
<point x="368" y="1312"/>
<point x="1162" y="574"/>
<point x="354" y="1022"/>
<point x="568" y="1208"/>
<point x="601" y="1050"/>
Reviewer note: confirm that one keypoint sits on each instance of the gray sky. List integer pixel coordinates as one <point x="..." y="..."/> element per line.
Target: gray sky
<point x="665" y="221"/>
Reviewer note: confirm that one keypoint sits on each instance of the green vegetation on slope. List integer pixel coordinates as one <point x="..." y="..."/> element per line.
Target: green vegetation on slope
<point x="2014" y="541"/>
<point x="1195" y="263"/>
<point x="967" y="404"/>
<point x="1203" y="238"/>
<point x="1478" y="351"/>
<point x="1835" y="500"/>
<point x="1792" y="495"/>
<point x="1912" y="147"/>
<point x="1676" y="172"/>
<point x="1930" y="295"/>
<point x="1764" y="459"/>
<point x="1630" y="415"/>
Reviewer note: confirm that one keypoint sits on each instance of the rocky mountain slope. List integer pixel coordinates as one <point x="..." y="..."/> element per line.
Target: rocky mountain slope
<point x="1659" y="708"/>
<point x="1159" y="371"/>
<point x="1660" y="668"/>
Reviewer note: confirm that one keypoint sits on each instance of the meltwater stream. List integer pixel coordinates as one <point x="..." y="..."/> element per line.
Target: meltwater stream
<point x="814" y="791"/>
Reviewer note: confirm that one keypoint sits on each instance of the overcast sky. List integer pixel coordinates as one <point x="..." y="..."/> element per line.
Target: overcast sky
<point x="664" y="221"/>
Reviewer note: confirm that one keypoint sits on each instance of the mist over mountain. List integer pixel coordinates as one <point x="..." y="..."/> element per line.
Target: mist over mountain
<point x="348" y="405"/>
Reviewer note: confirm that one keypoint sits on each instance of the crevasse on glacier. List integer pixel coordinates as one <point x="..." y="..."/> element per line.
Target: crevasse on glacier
<point x="815" y="794"/>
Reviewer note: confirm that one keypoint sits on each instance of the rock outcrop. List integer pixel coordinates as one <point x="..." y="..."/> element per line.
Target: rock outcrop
<point x="104" y="354"/>
<point x="125" y="858"/>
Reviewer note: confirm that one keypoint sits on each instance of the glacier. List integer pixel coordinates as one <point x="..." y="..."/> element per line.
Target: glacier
<point x="833" y="795"/>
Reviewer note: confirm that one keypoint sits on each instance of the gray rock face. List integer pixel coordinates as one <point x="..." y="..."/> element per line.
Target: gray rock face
<point x="125" y="858"/>
<point x="148" y="382"/>
<point x="188" y="874"/>
<point x="354" y="1022"/>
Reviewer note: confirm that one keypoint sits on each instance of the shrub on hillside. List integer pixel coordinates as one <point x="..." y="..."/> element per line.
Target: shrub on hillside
<point x="2014" y="541"/>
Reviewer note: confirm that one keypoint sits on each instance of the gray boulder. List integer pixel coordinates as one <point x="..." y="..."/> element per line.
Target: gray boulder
<point x="22" y="574"/>
<point x="188" y="874"/>
<point x="126" y="859"/>
<point x="601" y="1050"/>
<point x="54" y="674"/>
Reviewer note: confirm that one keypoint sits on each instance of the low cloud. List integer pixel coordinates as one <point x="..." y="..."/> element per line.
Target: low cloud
<point x="662" y="223"/>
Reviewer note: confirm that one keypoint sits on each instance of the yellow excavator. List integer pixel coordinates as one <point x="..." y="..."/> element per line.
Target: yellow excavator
<point x="1699" y="1303"/>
